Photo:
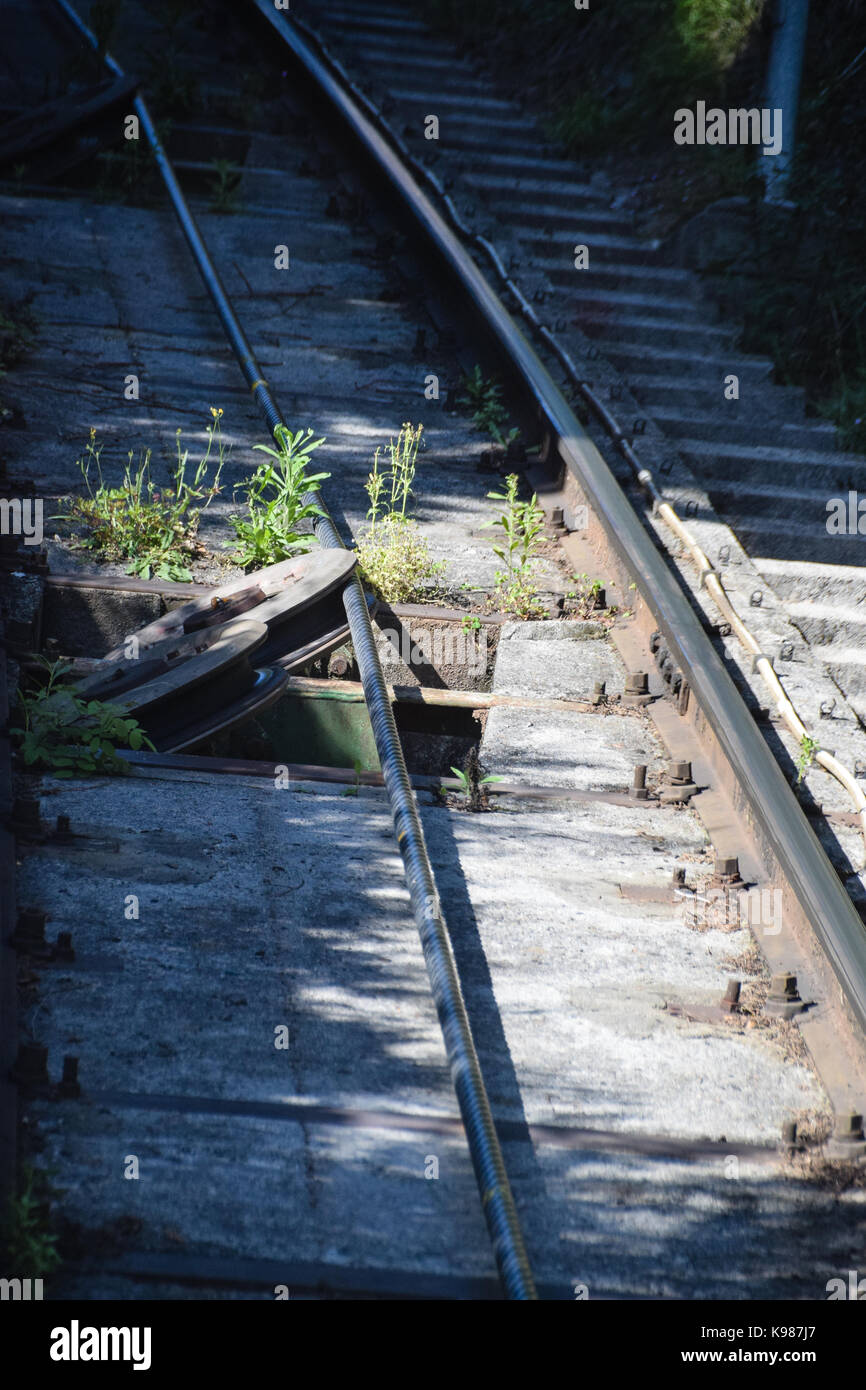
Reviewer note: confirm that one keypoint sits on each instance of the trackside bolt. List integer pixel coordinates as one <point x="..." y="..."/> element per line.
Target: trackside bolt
<point x="849" y="1128"/>
<point x="679" y="772"/>
<point x="789" y="1137"/>
<point x="63" y="949"/>
<point x="784" y="998"/>
<point x="69" y="1081"/>
<point x="726" y="869"/>
<point x="730" y="1000"/>
<point x="638" y="788"/>
<point x="637" y="689"/>
<point x="848" y="1139"/>
<point x="598" y="693"/>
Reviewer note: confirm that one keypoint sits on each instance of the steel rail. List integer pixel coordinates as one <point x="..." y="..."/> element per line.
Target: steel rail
<point x="497" y="1200"/>
<point x="771" y="804"/>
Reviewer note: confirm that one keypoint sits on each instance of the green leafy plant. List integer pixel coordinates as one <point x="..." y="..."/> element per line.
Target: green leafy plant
<point x="393" y="557"/>
<point x="484" y="397"/>
<point x="31" y="1248"/>
<point x="224" y="189"/>
<point x="154" y="528"/>
<point x="586" y="597"/>
<point x="280" y="502"/>
<point x="472" y="784"/>
<point x="470" y="622"/>
<point x="70" y="736"/>
<point x="355" y="788"/>
<point x="806" y="756"/>
<point x="522" y="527"/>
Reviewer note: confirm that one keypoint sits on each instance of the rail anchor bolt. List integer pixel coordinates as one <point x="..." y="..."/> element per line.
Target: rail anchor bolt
<point x="69" y="1087"/>
<point x="29" y="933"/>
<point x="638" y="788"/>
<point x="730" y="1000"/>
<point x="63" y="948"/>
<point x="637" y="690"/>
<point x="726" y="871"/>
<point x="848" y="1139"/>
<point x="784" y="1000"/>
<point x="680" y="786"/>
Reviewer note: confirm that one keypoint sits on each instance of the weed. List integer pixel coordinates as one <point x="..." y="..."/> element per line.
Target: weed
<point x="471" y="781"/>
<point x="224" y="190"/>
<point x="470" y="622"/>
<point x="354" y="790"/>
<point x="154" y="528"/>
<point x="483" y="396"/>
<point x="31" y="1248"/>
<point x="280" y="501"/>
<point x="70" y="736"/>
<point x="587" y="596"/>
<point x="806" y="756"/>
<point x="522" y="525"/>
<point x="393" y="557"/>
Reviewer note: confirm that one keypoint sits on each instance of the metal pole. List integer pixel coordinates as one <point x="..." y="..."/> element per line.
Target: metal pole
<point x="784" y="71"/>
<point x="496" y="1196"/>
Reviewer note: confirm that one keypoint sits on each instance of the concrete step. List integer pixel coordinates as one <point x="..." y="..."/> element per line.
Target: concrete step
<point x="847" y="666"/>
<point x="698" y="367"/>
<point x="603" y="246"/>
<point x="663" y="332"/>
<point x="759" y="463"/>
<point x="559" y="198"/>
<point x="786" y="542"/>
<point x="723" y="425"/>
<point x="391" y="23"/>
<point x="667" y="392"/>
<point x="526" y="218"/>
<point x="469" y="103"/>
<point x="666" y="279"/>
<point x="614" y="303"/>
<point x="805" y="579"/>
<point x="545" y="163"/>
<point x="823" y="624"/>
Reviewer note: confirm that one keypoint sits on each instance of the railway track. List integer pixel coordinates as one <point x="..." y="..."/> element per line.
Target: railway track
<point x="282" y="1118"/>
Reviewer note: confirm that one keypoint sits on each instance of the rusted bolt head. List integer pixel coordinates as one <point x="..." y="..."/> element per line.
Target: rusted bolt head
<point x="638" y="788"/>
<point x="69" y="1081"/>
<point x="679" y="878"/>
<point x="784" y="986"/>
<point x="63" y="949"/>
<point x="727" y="866"/>
<point x="679" y="772"/>
<point x="637" y="683"/>
<point x="789" y="1133"/>
<point x="556" y="516"/>
<point x="732" y="992"/>
<point x="849" y="1128"/>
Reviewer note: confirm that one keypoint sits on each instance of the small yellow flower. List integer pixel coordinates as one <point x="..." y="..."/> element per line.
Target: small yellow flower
<point x="216" y="411"/>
